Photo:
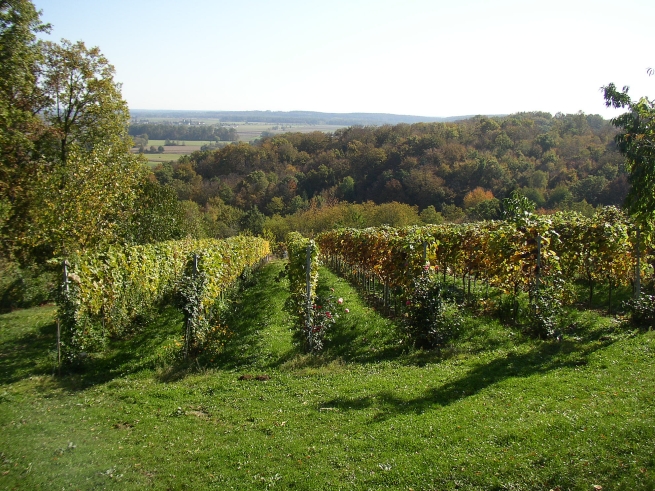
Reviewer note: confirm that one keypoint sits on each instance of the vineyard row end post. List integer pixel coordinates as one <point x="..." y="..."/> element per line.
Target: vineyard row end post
<point x="308" y="299"/>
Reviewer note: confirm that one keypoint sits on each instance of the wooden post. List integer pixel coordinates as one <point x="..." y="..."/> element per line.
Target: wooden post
<point x="66" y="264"/>
<point x="538" y="272"/>
<point x="638" y="265"/>
<point x="308" y="299"/>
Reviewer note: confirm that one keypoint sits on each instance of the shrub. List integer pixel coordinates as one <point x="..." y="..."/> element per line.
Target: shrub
<point x="642" y="310"/>
<point x="24" y="287"/>
<point x="296" y="271"/>
<point x="430" y="319"/>
<point x="325" y="312"/>
<point x="545" y="311"/>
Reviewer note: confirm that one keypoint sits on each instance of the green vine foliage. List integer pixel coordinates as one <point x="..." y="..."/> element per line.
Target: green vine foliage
<point x="504" y="253"/>
<point x="202" y="287"/>
<point x="540" y="256"/>
<point x="108" y="290"/>
<point x="296" y="271"/>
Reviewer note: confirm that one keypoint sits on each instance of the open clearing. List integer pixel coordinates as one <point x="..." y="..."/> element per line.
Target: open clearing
<point x="495" y="410"/>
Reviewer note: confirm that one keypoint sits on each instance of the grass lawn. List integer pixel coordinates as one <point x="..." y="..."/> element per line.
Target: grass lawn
<point x="494" y="411"/>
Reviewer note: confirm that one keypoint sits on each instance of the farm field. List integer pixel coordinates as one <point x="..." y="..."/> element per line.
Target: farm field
<point x="172" y="152"/>
<point x="247" y="133"/>
<point x="173" y="148"/>
<point x="251" y="131"/>
<point x="493" y="410"/>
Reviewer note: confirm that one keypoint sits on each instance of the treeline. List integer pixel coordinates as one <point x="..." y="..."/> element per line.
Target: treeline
<point x="462" y="169"/>
<point x="162" y="131"/>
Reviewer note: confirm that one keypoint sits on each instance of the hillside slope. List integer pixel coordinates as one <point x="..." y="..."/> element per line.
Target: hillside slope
<point x="496" y="410"/>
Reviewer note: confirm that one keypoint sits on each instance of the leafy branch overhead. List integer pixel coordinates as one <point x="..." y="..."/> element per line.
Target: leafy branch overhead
<point x="636" y="140"/>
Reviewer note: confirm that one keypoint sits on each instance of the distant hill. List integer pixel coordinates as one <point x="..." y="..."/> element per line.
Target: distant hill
<point x="293" y="117"/>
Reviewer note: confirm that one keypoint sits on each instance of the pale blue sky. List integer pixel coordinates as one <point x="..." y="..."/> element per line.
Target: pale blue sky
<point x="418" y="57"/>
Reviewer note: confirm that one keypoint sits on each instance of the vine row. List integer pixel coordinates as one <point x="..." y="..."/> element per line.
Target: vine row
<point x="302" y="272"/>
<point x="105" y="292"/>
<point x="515" y="256"/>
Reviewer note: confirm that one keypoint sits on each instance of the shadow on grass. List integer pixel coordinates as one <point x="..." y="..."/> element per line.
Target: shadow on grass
<point x="31" y="353"/>
<point x="545" y="358"/>
<point x="127" y="356"/>
<point x="363" y="335"/>
<point x="28" y="347"/>
<point x="258" y="313"/>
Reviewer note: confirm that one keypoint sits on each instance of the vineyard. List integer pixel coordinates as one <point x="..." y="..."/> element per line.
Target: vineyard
<point x="369" y="359"/>
<point x="106" y="292"/>
<point x="513" y="256"/>
<point x="541" y="257"/>
<point x="495" y="408"/>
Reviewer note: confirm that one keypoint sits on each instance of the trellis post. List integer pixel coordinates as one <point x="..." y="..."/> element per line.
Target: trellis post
<point x="308" y="298"/>
<point x="638" y="265"/>
<point x="66" y="264"/>
<point x="538" y="275"/>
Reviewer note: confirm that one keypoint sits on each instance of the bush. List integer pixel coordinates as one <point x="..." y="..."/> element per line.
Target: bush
<point x="325" y="312"/>
<point x="642" y="310"/>
<point x="25" y="287"/>
<point x="431" y="320"/>
<point x="545" y="312"/>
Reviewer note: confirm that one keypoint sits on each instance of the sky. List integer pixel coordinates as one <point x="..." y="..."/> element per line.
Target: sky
<point x="433" y="58"/>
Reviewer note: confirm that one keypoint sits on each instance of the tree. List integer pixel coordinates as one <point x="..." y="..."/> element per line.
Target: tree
<point x="636" y="141"/>
<point x="253" y="221"/>
<point x="85" y="190"/>
<point x="158" y="215"/>
<point x="431" y="215"/>
<point x="475" y="197"/>
<point x="517" y="206"/>
<point x="84" y="103"/>
<point x="85" y="202"/>
<point x="21" y="129"/>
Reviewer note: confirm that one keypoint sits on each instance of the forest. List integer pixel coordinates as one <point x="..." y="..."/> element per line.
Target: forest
<point x="454" y="171"/>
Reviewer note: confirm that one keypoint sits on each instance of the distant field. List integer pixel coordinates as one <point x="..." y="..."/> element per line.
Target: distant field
<point x="182" y="143"/>
<point x="251" y="131"/>
<point x="162" y="157"/>
<point x="247" y="133"/>
<point x="173" y="152"/>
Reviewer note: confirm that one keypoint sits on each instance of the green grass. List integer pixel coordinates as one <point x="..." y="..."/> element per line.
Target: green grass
<point x="495" y="410"/>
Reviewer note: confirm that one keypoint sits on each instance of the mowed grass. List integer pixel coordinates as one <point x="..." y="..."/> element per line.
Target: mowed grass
<point x="495" y="410"/>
